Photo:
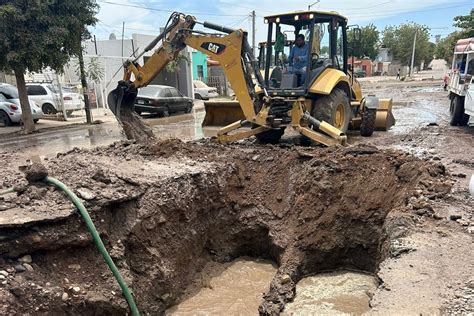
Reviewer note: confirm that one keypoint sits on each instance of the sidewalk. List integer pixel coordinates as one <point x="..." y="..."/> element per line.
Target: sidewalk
<point x="103" y="115"/>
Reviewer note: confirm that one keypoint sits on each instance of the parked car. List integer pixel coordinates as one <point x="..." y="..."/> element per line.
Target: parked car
<point x="359" y="74"/>
<point x="203" y="92"/>
<point x="10" y="109"/>
<point x="48" y="97"/>
<point x="162" y="100"/>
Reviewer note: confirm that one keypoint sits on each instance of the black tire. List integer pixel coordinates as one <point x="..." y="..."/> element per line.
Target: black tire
<point x="138" y="112"/>
<point x="197" y="96"/>
<point x="5" y="119"/>
<point x="166" y="113"/>
<point x="48" y="108"/>
<point x="188" y="108"/>
<point x="36" y="121"/>
<point x="456" y="111"/>
<point x="69" y="112"/>
<point x="271" y="136"/>
<point x="367" y="126"/>
<point x="326" y="108"/>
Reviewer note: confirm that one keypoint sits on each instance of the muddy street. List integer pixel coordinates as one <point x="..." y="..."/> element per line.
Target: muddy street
<point x="382" y="226"/>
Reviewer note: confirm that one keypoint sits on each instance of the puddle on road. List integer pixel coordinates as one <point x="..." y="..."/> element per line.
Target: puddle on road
<point x="341" y="292"/>
<point x="238" y="290"/>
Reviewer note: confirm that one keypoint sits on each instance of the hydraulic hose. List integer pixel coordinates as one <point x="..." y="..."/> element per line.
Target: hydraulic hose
<point x="98" y="241"/>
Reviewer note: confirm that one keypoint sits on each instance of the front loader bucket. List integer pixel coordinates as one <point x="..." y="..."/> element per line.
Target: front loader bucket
<point x="384" y="119"/>
<point x="222" y="113"/>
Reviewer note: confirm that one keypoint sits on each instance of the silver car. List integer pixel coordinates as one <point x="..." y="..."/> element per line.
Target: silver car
<point x="10" y="108"/>
<point x="203" y="92"/>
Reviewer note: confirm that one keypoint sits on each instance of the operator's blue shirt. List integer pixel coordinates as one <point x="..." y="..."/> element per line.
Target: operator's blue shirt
<point x="302" y="53"/>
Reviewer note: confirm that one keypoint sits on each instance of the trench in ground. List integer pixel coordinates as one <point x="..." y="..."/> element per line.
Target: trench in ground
<point x="305" y="214"/>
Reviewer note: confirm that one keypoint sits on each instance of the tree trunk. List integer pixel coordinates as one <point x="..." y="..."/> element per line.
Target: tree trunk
<point x="26" y="117"/>
<point x="87" y="104"/>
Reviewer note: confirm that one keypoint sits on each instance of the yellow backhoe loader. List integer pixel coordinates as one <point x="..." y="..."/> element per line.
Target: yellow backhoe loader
<point x="318" y="97"/>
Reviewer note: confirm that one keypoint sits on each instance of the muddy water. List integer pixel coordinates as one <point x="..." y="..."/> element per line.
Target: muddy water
<point x="238" y="290"/>
<point x="341" y="292"/>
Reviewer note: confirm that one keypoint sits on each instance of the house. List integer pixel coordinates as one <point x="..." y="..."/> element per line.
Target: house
<point x="199" y="64"/>
<point x="110" y="55"/>
<point x="364" y="64"/>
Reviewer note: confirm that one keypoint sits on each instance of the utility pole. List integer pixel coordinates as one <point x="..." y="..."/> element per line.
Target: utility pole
<point x="413" y="55"/>
<point x="253" y="33"/>
<point x="61" y="96"/>
<point x="85" y="91"/>
<point x="123" y="30"/>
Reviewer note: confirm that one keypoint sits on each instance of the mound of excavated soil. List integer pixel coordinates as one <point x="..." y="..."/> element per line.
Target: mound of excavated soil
<point x="166" y="209"/>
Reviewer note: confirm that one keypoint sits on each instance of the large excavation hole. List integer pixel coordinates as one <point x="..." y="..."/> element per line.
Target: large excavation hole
<point x="306" y="210"/>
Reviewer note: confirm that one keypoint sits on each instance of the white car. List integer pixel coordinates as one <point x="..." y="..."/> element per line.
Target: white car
<point x="203" y="92"/>
<point x="48" y="98"/>
<point x="10" y="109"/>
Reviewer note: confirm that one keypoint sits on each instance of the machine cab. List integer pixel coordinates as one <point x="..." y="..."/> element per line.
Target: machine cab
<point x="303" y="45"/>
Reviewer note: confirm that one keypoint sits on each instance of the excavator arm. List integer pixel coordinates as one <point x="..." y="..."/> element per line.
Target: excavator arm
<point x="231" y="50"/>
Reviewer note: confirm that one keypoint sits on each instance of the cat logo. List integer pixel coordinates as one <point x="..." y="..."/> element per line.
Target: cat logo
<point x="214" y="48"/>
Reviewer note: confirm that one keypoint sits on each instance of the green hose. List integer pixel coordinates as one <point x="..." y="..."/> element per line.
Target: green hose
<point x="100" y="245"/>
<point x="10" y="190"/>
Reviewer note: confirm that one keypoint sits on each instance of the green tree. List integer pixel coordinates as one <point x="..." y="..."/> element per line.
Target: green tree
<point x="445" y="47"/>
<point x="93" y="70"/>
<point x="399" y="40"/>
<point x="368" y="45"/>
<point x="466" y="23"/>
<point x="35" y="34"/>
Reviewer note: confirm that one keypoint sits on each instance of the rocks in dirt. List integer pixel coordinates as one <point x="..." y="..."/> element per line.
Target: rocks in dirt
<point x="463" y="222"/>
<point x="3" y="273"/>
<point x="28" y="267"/>
<point x="25" y="259"/>
<point x="398" y="247"/>
<point x="20" y="268"/>
<point x="455" y="217"/>
<point x="470" y="229"/>
<point x="35" y="172"/>
<point x="86" y="194"/>
<point x="76" y="289"/>
<point x="285" y="279"/>
<point x="74" y="266"/>
<point x="100" y="176"/>
<point x="64" y="297"/>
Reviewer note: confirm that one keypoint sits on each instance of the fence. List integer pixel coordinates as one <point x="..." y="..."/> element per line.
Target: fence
<point x="220" y="83"/>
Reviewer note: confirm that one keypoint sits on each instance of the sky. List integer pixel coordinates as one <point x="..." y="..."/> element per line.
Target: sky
<point x="147" y="16"/>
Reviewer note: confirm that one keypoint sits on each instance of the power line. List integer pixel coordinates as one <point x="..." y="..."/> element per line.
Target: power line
<point x="385" y="13"/>
<point x="245" y="7"/>
<point x="163" y="10"/>
<point x="359" y="8"/>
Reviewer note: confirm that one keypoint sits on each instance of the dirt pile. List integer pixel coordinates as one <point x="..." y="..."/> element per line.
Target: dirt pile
<point x="167" y="209"/>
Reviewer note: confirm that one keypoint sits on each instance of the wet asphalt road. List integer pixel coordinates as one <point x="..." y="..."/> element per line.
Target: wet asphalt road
<point x="413" y="107"/>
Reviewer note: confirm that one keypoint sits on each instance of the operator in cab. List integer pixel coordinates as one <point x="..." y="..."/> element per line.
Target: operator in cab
<point x="298" y="56"/>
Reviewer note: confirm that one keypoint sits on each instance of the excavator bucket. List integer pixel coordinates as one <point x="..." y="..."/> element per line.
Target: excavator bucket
<point x="121" y="99"/>
<point x="121" y="102"/>
<point x="222" y="113"/>
<point x="384" y="118"/>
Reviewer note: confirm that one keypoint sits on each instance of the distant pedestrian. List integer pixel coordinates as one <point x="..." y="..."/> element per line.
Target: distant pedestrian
<point x="398" y="74"/>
